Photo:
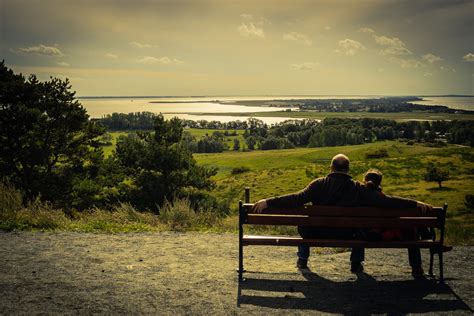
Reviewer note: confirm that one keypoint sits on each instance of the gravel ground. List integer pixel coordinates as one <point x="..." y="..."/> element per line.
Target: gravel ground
<point x="194" y="273"/>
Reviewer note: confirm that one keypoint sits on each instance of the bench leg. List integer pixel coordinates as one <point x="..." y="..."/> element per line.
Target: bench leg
<point x="241" y="243"/>
<point x="441" y="275"/>
<point x="241" y="262"/>
<point x="431" y="263"/>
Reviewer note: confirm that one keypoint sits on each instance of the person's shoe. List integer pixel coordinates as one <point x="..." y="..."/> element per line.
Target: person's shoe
<point x="417" y="271"/>
<point x="302" y="264"/>
<point x="356" y="267"/>
<point x="443" y="249"/>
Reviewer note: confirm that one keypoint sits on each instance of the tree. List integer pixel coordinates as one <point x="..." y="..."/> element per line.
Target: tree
<point x="436" y="174"/>
<point x="236" y="144"/>
<point x="159" y="167"/>
<point x="251" y="142"/>
<point x="46" y="138"/>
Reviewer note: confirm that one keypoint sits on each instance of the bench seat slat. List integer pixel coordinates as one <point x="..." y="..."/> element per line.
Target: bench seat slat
<point x="358" y="222"/>
<point x="295" y="241"/>
<point x="311" y="210"/>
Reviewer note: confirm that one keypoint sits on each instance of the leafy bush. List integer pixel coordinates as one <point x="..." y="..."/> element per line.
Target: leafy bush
<point x="239" y="170"/>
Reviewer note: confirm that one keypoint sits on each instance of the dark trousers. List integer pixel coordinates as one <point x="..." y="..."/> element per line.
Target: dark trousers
<point x="357" y="254"/>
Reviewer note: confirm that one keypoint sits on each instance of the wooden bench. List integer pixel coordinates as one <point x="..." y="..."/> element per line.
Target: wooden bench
<point x="335" y="217"/>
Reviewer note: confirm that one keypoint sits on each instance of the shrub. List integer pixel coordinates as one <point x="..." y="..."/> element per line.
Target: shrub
<point x="239" y="170"/>
<point x="178" y="214"/>
<point x="37" y="215"/>
<point x="379" y="153"/>
<point x="123" y="217"/>
<point x="469" y="201"/>
<point x="10" y="198"/>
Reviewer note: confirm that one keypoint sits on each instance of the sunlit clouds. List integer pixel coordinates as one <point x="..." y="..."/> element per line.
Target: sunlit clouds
<point x="111" y="56"/>
<point x="350" y="47"/>
<point x="142" y="45"/>
<point x="391" y="46"/>
<point x="431" y="58"/>
<point x="208" y="47"/>
<point x="149" y="60"/>
<point x="297" y="37"/>
<point x="40" y="50"/>
<point x="305" y="66"/>
<point x="468" y="57"/>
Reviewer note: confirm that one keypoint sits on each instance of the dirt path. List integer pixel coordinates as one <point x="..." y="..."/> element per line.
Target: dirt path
<point x="192" y="273"/>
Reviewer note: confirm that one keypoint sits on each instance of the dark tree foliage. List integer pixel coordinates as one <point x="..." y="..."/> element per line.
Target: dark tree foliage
<point x="159" y="166"/>
<point x="437" y="174"/>
<point x="236" y="146"/>
<point x="47" y="142"/>
<point x="212" y="144"/>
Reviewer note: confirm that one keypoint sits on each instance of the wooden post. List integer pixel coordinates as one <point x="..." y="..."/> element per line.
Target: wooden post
<point x="241" y="246"/>
<point x="441" y="240"/>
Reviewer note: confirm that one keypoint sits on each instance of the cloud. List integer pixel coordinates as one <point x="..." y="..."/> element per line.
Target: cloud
<point x="392" y="46"/>
<point x="366" y="30"/>
<point x="249" y="29"/>
<point x="350" y="47"/>
<point x="405" y="63"/>
<point x="63" y="64"/>
<point x="327" y="28"/>
<point x="246" y="16"/>
<point x="428" y="74"/>
<point x="41" y="50"/>
<point x="297" y="37"/>
<point x="305" y="66"/>
<point x="431" y="58"/>
<point x="163" y="60"/>
<point x="142" y="45"/>
<point x="111" y="56"/>
<point x="468" y="57"/>
<point x="447" y="68"/>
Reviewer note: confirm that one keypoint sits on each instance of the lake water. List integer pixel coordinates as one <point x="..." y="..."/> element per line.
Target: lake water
<point x="461" y="103"/>
<point x="178" y="107"/>
<point x="184" y="107"/>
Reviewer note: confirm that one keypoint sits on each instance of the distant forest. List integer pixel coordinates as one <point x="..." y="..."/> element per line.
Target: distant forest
<point x="304" y="133"/>
<point x="387" y="104"/>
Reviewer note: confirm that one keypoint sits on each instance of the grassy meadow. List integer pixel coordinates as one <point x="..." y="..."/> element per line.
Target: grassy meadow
<point x="277" y="172"/>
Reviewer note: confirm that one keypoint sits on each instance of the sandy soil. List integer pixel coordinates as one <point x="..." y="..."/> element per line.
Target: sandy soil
<point x="192" y="273"/>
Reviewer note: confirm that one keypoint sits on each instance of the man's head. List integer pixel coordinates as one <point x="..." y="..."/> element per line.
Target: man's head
<point x="340" y="163"/>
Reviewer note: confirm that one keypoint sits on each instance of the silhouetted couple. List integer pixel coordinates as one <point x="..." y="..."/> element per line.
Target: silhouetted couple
<point x="339" y="189"/>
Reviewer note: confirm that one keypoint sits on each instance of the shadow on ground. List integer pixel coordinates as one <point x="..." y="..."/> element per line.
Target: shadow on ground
<point x="365" y="295"/>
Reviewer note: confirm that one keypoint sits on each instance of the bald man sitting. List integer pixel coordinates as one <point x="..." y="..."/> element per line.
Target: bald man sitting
<point x="335" y="189"/>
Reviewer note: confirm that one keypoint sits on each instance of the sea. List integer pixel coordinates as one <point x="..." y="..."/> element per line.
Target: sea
<point x="192" y="107"/>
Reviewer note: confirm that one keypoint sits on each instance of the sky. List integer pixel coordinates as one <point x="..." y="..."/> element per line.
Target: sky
<point x="210" y="47"/>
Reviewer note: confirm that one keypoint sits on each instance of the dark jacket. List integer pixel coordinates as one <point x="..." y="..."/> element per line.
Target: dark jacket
<point x="338" y="189"/>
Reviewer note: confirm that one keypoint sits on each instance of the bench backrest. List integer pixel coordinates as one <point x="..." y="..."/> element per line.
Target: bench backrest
<point x="355" y="217"/>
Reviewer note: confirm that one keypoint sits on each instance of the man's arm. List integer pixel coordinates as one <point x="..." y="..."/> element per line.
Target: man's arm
<point x="373" y="198"/>
<point x="290" y="200"/>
